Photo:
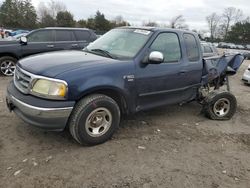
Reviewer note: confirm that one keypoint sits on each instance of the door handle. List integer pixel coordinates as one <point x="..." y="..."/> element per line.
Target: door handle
<point x="50" y="46"/>
<point x="183" y="72"/>
<point x="74" y="45"/>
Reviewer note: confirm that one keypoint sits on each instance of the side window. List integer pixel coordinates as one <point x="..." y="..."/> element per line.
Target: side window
<point x="64" y="35"/>
<point x="82" y="35"/>
<point x="168" y="44"/>
<point x="191" y="47"/>
<point x="41" y="36"/>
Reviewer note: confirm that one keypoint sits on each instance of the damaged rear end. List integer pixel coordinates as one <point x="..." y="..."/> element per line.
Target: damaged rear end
<point x="217" y="69"/>
<point x="218" y="103"/>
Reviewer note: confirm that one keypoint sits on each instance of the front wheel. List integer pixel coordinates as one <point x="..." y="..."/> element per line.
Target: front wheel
<point x="220" y="106"/>
<point x="94" y="119"/>
<point x="7" y="65"/>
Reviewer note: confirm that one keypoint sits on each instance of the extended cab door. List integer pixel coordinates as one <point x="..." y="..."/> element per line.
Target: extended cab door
<point x="168" y="82"/>
<point x="38" y="42"/>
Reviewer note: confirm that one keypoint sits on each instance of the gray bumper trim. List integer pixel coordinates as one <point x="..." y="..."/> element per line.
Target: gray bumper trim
<point x="47" y="118"/>
<point x="42" y="112"/>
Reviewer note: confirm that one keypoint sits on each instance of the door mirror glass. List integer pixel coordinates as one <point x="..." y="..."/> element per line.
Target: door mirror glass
<point x="156" y="57"/>
<point x="23" y="40"/>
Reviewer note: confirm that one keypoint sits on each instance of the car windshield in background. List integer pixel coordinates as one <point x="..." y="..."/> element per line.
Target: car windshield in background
<point x="120" y="43"/>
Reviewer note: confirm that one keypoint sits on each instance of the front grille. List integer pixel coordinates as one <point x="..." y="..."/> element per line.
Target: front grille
<point x="22" y="80"/>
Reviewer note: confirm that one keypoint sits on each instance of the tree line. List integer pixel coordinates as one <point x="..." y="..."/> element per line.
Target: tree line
<point x="22" y="14"/>
<point x="230" y="26"/>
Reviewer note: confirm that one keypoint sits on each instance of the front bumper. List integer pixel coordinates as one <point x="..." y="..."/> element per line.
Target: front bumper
<point x="42" y="113"/>
<point x="246" y="77"/>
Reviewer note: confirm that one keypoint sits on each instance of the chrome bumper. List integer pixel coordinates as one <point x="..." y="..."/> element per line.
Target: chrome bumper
<point x="47" y="118"/>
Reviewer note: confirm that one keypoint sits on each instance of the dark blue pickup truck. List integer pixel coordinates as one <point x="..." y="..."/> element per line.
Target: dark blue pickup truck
<point x="125" y="71"/>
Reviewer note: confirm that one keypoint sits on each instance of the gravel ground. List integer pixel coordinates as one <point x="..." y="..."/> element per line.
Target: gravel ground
<point x="174" y="146"/>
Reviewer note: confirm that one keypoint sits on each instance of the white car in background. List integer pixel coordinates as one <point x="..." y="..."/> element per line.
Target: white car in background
<point x="246" y="76"/>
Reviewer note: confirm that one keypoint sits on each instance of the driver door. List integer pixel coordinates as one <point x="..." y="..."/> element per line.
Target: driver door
<point x="38" y="42"/>
<point x="160" y="84"/>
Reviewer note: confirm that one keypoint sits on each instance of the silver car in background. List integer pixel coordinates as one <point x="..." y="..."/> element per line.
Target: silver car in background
<point x="208" y="49"/>
<point x="246" y="76"/>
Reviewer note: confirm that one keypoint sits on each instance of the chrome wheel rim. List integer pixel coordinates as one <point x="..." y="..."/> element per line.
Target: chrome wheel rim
<point x="8" y="67"/>
<point x="98" y="122"/>
<point x="222" y="107"/>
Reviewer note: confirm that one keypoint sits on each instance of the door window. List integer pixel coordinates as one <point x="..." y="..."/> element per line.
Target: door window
<point x="64" y="35"/>
<point x="82" y="35"/>
<point x="168" y="44"/>
<point x="192" y="50"/>
<point x="41" y="36"/>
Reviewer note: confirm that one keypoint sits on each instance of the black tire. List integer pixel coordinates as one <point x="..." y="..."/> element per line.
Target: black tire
<point x="78" y="125"/>
<point x="220" y="105"/>
<point x="5" y="61"/>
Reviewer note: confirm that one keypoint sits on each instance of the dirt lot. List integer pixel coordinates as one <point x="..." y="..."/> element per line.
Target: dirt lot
<point x="167" y="147"/>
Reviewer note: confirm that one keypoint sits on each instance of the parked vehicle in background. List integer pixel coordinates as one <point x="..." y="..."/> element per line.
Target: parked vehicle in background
<point x="125" y="71"/>
<point x="247" y="47"/>
<point x="231" y="45"/>
<point x="215" y="44"/>
<point x="209" y="50"/>
<point x="17" y="32"/>
<point x="223" y="45"/>
<point x="42" y="40"/>
<point x="246" y="76"/>
<point x="240" y="47"/>
<point x="16" y="37"/>
<point x="7" y="32"/>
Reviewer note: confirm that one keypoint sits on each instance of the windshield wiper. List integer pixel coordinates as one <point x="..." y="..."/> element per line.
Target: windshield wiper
<point x="105" y="52"/>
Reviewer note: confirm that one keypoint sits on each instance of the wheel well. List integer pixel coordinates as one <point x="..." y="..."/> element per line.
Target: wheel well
<point x="8" y="54"/>
<point x="115" y="95"/>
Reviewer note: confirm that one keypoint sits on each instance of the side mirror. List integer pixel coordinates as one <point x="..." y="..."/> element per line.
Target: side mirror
<point x="156" y="57"/>
<point x="23" y="40"/>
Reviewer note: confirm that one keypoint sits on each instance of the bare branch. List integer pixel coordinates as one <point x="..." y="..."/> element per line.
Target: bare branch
<point x="213" y="21"/>
<point x="178" y="22"/>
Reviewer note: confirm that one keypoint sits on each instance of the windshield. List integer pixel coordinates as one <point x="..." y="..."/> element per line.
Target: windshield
<point x="121" y="43"/>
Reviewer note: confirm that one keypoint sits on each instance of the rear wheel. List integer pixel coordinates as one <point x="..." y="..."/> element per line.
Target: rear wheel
<point x="7" y="65"/>
<point x="220" y="106"/>
<point x="94" y="119"/>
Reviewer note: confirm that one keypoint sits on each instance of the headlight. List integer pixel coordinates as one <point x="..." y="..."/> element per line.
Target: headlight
<point x="49" y="89"/>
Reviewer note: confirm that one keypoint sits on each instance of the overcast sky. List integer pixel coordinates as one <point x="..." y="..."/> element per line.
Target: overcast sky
<point x="160" y="11"/>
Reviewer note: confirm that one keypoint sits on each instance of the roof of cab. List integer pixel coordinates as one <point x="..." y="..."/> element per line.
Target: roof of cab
<point x="155" y="29"/>
<point x="68" y="28"/>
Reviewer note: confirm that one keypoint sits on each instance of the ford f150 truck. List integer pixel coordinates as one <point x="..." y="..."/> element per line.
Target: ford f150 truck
<point x="125" y="71"/>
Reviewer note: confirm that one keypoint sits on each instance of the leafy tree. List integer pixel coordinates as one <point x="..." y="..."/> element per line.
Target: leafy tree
<point x="91" y="23"/>
<point x="47" y="21"/>
<point x="101" y="23"/>
<point x="81" y="23"/>
<point x="18" y="14"/>
<point x="65" y="19"/>
<point x="240" y="33"/>
<point x="29" y="14"/>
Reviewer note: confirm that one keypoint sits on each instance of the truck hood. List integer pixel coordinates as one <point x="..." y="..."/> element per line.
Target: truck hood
<point x="55" y="63"/>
